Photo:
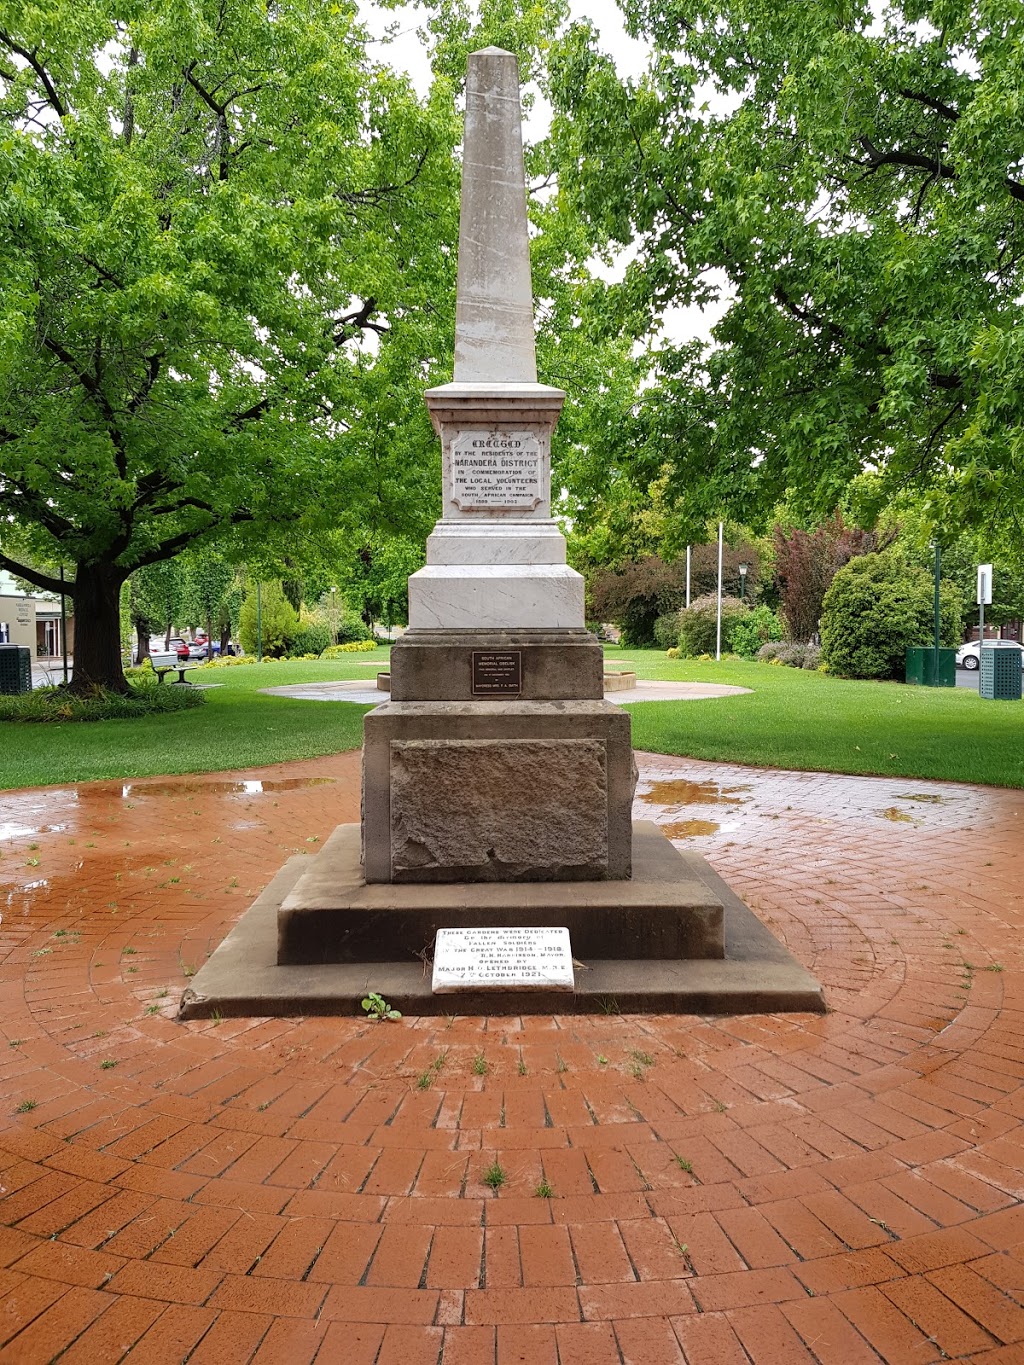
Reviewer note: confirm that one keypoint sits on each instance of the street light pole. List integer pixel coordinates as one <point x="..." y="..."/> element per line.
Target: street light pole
<point x="938" y="623"/>
<point x="63" y="624"/>
<point x="743" y="581"/>
<point x="259" y="624"/>
<point x="718" y="614"/>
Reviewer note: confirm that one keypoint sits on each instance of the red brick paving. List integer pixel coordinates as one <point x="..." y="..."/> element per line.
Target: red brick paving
<point x="836" y="1189"/>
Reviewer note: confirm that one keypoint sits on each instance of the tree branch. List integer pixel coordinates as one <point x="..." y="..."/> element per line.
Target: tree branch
<point x="32" y="57"/>
<point x="930" y="102"/>
<point x="355" y="322"/>
<point x="379" y="193"/>
<point x="40" y="580"/>
<point x="153" y="364"/>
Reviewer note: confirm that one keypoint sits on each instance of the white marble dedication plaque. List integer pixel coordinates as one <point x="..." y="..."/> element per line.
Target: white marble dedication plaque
<point x="496" y="471"/>
<point x="502" y="960"/>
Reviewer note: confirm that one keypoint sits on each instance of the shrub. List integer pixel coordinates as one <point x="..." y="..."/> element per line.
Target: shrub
<point x="353" y="647"/>
<point x="672" y="653"/>
<point x="749" y="633"/>
<point x="141" y="672"/>
<point x="790" y="653"/>
<point x="311" y="639"/>
<point x="877" y="607"/>
<point x="769" y="653"/>
<point x="636" y="594"/>
<point x="277" y="618"/>
<point x="55" y="704"/>
<point x="666" y="630"/>
<point x="698" y="624"/>
<point x="227" y="661"/>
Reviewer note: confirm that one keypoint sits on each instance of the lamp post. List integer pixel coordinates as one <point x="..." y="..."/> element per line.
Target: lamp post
<point x="63" y="623"/>
<point x="743" y="580"/>
<point x="259" y="624"/>
<point x="334" y="616"/>
<point x="937" y="615"/>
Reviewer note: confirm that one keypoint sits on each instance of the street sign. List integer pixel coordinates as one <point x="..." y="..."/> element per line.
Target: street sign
<point x="985" y="585"/>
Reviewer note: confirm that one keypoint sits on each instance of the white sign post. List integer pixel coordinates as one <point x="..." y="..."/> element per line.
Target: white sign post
<point x="984" y="600"/>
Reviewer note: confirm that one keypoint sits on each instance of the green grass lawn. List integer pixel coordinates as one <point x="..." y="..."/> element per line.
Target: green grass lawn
<point x="799" y="719"/>
<point x="792" y="719"/>
<point x="238" y="727"/>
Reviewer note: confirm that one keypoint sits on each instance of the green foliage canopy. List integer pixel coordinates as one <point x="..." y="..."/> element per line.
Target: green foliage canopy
<point x="849" y="183"/>
<point x="222" y="247"/>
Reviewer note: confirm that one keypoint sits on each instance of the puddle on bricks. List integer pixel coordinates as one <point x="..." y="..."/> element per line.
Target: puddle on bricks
<point x="220" y="787"/>
<point x="691" y="829"/>
<point x="678" y="792"/>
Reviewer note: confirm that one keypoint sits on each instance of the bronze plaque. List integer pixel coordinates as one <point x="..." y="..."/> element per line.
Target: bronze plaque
<point x="497" y="673"/>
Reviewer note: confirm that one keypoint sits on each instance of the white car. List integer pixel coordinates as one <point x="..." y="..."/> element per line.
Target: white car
<point x="967" y="655"/>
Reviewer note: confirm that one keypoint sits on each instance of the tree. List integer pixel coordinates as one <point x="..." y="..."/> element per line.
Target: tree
<point x="268" y="621"/>
<point x="850" y="191"/>
<point x="221" y="240"/>
<point x="154" y="601"/>
<point x="806" y="563"/>
<point x="209" y="585"/>
<point x="636" y="593"/>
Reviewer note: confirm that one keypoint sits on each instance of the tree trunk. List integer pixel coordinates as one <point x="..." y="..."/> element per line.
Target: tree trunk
<point x="209" y="634"/>
<point x="225" y="639"/>
<point x="97" y="599"/>
<point x="142" y="636"/>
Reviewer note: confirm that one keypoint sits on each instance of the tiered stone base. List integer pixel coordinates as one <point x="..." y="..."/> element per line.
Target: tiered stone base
<point x="757" y="975"/>
<point x="664" y="911"/>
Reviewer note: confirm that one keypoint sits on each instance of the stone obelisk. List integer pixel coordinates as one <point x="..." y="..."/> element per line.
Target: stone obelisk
<point x="497" y="758"/>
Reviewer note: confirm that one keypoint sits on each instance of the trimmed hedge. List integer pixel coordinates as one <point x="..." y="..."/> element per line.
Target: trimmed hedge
<point x="353" y="647"/>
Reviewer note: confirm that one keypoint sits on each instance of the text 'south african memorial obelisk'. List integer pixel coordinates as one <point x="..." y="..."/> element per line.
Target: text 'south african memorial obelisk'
<point x="497" y="758"/>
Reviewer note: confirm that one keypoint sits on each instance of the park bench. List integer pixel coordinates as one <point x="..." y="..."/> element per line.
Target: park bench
<point x="180" y="669"/>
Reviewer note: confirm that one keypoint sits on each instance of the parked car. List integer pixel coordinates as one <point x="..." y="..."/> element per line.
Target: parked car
<point x="967" y="656"/>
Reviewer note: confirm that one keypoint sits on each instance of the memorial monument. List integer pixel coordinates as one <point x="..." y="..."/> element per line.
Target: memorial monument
<point x="496" y="829"/>
<point x="497" y="757"/>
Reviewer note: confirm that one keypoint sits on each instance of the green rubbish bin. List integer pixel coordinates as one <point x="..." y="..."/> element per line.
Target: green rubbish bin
<point x="15" y="669"/>
<point x="921" y="666"/>
<point x="1000" y="671"/>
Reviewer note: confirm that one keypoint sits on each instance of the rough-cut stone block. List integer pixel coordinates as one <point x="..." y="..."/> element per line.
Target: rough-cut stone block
<point x="486" y="792"/>
<point x="501" y="810"/>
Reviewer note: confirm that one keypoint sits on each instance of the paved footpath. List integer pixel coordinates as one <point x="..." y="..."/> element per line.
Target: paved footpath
<point x="842" y="1188"/>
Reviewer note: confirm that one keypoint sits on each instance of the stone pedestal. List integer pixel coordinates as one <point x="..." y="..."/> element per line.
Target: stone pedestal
<point x="480" y="791"/>
<point x="555" y="665"/>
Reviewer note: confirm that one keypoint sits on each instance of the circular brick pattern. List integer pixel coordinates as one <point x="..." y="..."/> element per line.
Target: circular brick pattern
<point x="558" y="1190"/>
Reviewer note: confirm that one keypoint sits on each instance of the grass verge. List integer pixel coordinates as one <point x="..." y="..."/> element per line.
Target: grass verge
<point x="791" y="719"/>
<point x="238" y="727"/>
<point x="805" y="720"/>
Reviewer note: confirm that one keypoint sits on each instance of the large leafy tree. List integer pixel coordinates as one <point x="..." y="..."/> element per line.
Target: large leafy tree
<point x="848" y="181"/>
<point x="222" y="240"/>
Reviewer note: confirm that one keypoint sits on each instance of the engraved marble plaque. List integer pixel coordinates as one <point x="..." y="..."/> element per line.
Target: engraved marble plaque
<point x="496" y="471"/>
<point x="502" y="960"/>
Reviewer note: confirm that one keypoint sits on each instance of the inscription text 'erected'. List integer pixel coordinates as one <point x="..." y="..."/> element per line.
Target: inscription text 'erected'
<point x="496" y="470"/>
<point x="502" y="959"/>
<point x="497" y="673"/>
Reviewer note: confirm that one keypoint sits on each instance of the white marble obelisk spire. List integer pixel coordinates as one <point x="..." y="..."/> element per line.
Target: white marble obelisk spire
<point x="496" y="559"/>
<point x="494" y="313"/>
